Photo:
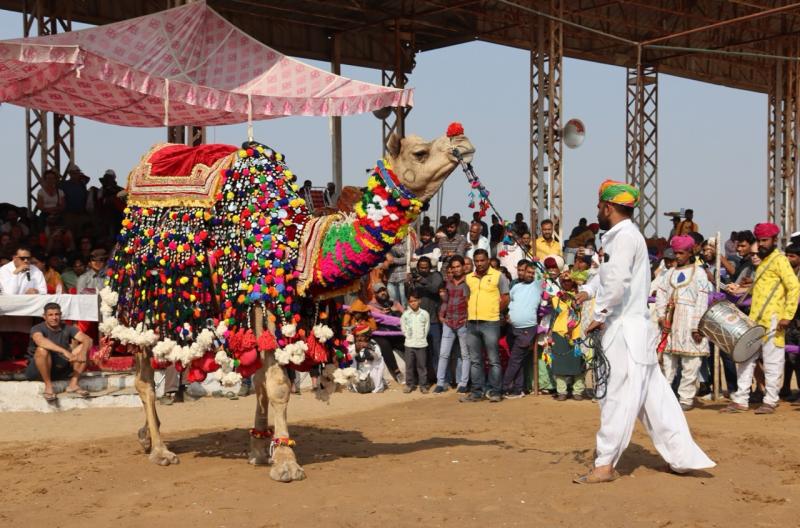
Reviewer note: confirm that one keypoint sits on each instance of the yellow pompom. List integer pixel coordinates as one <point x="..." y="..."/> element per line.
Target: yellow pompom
<point x="242" y="153"/>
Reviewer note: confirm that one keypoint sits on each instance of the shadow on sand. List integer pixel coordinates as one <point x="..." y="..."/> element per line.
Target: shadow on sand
<point x="315" y="444"/>
<point x="636" y="457"/>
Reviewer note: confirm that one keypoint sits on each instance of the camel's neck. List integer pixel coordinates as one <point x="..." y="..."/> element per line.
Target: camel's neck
<point x="351" y="249"/>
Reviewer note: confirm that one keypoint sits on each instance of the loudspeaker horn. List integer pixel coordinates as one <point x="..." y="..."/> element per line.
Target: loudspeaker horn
<point x="573" y="133"/>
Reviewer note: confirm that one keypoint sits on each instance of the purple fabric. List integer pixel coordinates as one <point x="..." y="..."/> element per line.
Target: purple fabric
<point x="383" y="320"/>
<point x="793" y="349"/>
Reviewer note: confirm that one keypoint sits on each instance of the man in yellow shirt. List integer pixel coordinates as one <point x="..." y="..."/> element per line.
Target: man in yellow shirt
<point x="488" y="297"/>
<point x="776" y="292"/>
<point x="547" y="245"/>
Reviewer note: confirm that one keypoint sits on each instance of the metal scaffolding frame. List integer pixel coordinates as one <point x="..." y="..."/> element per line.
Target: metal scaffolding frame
<point x="50" y="138"/>
<point x="641" y="143"/>
<point x="782" y="144"/>
<point x="547" y="54"/>
<point x="187" y="135"/>
<point x="395" y="121"/>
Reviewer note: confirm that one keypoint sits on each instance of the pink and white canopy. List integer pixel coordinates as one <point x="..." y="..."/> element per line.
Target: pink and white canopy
<point x="213" y="73"/>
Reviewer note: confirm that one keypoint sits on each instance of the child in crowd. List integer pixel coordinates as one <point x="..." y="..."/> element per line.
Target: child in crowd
<point x="553" y="267"/>
<point x="568" y="365"/>
<point x="415" y="324"/>
<point x="681" y="301"/>
<point x="369" y="363"/>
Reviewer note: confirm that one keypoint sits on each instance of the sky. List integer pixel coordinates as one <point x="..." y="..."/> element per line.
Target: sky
<point x="712" y="140"/>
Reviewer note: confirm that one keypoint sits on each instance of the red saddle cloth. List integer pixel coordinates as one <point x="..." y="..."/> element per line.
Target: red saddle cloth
<point x="171" y="174"/>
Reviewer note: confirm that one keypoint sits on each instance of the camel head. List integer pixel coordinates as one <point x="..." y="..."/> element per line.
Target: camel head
<point x="422" y="166"/>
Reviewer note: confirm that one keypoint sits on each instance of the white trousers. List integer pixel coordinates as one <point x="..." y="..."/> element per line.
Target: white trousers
<point x="774" y="358"/>
<point x="687" y="389"/>
<point x="376" y="372"/>
<point x="641" y="391"/>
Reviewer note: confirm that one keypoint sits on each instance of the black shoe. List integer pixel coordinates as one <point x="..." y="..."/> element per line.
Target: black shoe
<point x="439" y="389"/>
<point x="462" y="390"/>
<point x="424" y="389"/>
<point x="471" y="398"/>
<point x="495" y="398"/>
<point x="561" y="397"/>
<point x="756" y="397"/>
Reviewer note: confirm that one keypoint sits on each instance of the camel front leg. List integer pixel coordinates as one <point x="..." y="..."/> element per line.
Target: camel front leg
<point x="260" y="435"/>
<point x="149" y="435"/>
<point x="285" y="467"/>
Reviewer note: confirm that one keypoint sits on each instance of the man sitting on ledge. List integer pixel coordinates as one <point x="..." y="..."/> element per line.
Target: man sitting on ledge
<point x="57" y="351"/>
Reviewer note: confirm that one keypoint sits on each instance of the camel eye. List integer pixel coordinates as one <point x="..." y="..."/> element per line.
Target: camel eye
<point x="420" y="155"/>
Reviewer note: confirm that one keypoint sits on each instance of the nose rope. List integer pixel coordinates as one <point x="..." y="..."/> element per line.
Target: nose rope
<point x="475" y="182"/>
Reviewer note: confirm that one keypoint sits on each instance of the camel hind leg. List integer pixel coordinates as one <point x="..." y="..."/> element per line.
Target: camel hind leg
<point x="150" y="435"/>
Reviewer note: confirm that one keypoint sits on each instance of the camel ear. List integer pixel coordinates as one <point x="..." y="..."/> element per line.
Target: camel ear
<point x="393" y="145"/>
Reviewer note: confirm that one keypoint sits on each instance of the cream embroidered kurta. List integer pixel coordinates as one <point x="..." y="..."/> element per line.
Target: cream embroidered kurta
<point x="687" y="288"/>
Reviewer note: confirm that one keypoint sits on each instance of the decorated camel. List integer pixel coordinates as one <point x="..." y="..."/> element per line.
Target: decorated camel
<point x="221" y="270"/>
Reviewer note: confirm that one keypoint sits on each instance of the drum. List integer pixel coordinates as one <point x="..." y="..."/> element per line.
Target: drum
<point x="730" y="329"/>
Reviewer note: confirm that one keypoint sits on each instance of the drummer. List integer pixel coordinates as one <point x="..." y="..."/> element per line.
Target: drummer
<point x="681" y="301"/>
<point x="776" y="291"/>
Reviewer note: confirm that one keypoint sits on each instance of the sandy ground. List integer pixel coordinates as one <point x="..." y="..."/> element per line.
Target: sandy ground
<point x="392" y="460"/>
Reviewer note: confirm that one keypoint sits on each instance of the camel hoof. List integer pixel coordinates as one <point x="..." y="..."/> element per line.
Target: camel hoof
<point x="259" y="452"/>
<point x="258" y="459"/>
<point x="164" y="457"/>
<point x="144" y="439"/>
<point x="287" y="471"/>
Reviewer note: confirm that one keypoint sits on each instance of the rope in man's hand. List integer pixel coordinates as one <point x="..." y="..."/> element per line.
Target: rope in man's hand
<point x="599" y="364"/>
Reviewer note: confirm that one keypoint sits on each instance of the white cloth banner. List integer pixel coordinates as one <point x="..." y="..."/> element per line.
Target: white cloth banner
<point x="73" y="307"/>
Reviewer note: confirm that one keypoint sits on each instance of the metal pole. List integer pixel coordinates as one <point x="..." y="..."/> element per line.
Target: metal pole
<point x="541" y="213"/>
<point x="778" y="144"/>
<point x="716" y="366"/>
<point x="336" y="123"/>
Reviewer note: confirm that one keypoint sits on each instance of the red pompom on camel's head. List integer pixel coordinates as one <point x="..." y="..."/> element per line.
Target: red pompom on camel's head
<point x="422" y="166"/>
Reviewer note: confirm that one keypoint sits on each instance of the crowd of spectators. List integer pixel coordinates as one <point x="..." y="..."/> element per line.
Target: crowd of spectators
<point x="464" y="303"/>
<point x="65" y="240"/>
<point x="61" y="246"/>
<point x="492" y="292"/>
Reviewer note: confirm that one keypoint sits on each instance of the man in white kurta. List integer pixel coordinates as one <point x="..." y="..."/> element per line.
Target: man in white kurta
<point x="636" y="388"/>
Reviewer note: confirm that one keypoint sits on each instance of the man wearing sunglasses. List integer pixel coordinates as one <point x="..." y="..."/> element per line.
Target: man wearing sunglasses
<point x="19" y="277"/>
<point x="93" y="280"/>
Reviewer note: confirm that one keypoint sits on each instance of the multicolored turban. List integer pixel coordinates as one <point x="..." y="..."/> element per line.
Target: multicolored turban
<point x="579" y="277"/>
<point x="362" y="329"/>
<point x="766" y="230"/>
<point x="682" y="243"/>
<point x="619" y="193"/>
<point x="554" y="262"/>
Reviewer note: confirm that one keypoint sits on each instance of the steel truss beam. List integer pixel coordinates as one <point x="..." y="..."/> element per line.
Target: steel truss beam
<point x="782" y="144"/>
<point x="50" y="138"/>
<point x="547" y="52"/>
<point x="641" y="144"/>
<point x="404" y="46"/>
